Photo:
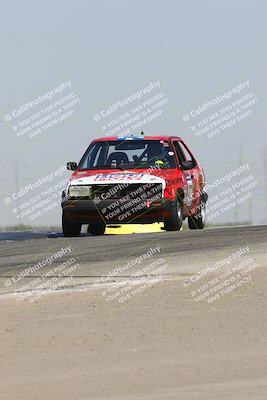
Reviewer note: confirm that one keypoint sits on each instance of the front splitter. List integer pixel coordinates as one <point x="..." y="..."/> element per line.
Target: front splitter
<point x="133" y="228"/>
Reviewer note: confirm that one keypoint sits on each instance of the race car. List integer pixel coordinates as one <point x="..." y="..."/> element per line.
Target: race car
<point x="134" y="180"/>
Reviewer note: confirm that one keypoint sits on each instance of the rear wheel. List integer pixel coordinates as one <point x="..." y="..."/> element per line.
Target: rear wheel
<point x="70" y="228"/>
<point x="175" y="221"/>
<point x="198" y="221"/>
<point x="96" y="229"/>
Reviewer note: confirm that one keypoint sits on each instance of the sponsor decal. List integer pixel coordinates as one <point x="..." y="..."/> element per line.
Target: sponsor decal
<point x="120" y="176"/>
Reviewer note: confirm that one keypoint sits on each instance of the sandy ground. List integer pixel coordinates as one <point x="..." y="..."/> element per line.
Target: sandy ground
<point x="161" y="344"/>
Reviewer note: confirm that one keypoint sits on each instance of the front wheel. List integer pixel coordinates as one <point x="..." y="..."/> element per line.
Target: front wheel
<point x="96" y="229"/>
<point x="198" y="221"/>
<point x="175" y="221"/>
<point x="70" y="228"/>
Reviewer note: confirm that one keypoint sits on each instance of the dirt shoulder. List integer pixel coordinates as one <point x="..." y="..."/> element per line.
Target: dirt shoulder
<point x="161" y="344"/>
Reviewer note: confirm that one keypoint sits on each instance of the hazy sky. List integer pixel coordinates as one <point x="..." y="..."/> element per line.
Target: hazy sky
<point x="108" y="50"/>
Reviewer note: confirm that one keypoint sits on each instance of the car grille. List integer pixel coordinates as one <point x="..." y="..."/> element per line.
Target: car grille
<point x="118" y="191"/>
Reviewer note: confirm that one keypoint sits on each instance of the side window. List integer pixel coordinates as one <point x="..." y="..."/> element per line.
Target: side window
<point x="187" y="155"/>
<point x="183" y="153"/>
<point x="179" y="152"/>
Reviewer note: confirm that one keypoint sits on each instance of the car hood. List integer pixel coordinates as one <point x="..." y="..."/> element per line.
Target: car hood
<point x="117" y="177"/>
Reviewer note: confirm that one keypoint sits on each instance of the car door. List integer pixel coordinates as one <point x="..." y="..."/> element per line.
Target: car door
<point x="189" y="168"/>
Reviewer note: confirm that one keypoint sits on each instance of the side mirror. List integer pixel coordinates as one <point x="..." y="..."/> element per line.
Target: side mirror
<point x="72" y="165"/>
<point x="187" y="165"/>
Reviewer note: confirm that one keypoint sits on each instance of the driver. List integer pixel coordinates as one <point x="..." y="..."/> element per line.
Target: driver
<point x="156" y="153"/>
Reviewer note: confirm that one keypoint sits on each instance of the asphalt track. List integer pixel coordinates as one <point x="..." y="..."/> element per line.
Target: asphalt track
<point x="185" y="252"/>
<point x="161" y="344"/>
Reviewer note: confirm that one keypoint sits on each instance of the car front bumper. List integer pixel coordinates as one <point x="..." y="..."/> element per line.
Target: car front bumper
<point x="117" y="212"/>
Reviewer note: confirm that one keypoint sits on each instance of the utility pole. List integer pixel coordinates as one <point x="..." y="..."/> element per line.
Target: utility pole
<point x="17" y="184"/>
<point x="265" y="178"/>
<point x="239" y="164"/>
<point x="250" y="212"/>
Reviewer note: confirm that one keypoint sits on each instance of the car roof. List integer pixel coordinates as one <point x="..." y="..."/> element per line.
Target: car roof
<point x="111" y="138"/>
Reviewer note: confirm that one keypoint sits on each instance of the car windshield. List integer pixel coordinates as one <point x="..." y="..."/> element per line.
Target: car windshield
<point x="128" y="154"/>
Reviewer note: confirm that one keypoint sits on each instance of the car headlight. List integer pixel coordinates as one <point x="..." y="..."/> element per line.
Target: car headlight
<point x="80" y="191"/>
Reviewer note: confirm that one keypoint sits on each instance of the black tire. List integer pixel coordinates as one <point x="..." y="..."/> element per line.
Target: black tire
<point x="69" y="228"/>
<point x="198" y="221"/>
<point x="175" y="222"/>
<point x="96" y="229"/>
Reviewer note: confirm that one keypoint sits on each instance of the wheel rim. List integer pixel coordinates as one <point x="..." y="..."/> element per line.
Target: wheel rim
<point x="203" y="212"/>
<point x="179" y="210"/>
